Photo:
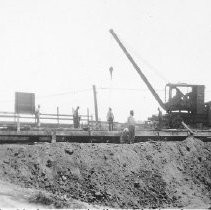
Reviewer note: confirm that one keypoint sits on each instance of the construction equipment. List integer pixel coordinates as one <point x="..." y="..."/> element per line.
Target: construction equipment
<point x="184" y="102"/>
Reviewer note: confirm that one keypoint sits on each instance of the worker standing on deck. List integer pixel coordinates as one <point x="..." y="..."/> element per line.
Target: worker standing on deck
<point x="37" y="116"/>
<point x="160" y="118"/>
<point x="110" y="119"/>
<point x="76" y="118"/>
<point x="131" y="126"/>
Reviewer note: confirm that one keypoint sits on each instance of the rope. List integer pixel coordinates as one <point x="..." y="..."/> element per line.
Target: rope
<point x="147" y="63"/>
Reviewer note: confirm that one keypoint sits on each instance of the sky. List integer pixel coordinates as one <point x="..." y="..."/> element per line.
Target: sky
<point x="59" y="49"/>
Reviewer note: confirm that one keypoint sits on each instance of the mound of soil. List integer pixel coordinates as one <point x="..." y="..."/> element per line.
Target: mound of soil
<point x="140" y="175"/>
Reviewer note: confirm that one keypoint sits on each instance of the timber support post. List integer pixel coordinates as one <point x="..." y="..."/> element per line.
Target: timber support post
<point x="95" y="103"/>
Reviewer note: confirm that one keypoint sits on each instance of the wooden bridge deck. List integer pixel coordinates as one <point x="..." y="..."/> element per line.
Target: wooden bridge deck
<point x="104" y="136"/>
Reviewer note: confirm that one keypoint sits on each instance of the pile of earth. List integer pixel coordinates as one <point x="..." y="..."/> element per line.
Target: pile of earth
<point x="141" y="175"/>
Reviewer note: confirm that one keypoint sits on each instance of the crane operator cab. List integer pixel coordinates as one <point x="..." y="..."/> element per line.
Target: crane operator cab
<point x="185" y="101"/>
<point x="183" y="97"/>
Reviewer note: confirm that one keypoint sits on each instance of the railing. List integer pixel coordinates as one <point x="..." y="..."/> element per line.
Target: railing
<point x="11" y="118"/>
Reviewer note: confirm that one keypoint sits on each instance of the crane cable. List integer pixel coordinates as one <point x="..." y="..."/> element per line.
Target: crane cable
<point x="54" y="95"/>
<point x="147" y="63"/>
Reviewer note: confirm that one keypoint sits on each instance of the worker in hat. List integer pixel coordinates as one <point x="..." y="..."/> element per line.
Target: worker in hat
<point x="160" y="118"/>
<point x="131" y="126"/>
<point x="76" y="118"/>
<point x="110" y="119"/>
<point x="37" y="116"/>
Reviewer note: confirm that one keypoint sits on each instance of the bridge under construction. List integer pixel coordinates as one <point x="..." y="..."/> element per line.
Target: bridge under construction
<point x="96" y="136"/>
<point x="59" y="128"/>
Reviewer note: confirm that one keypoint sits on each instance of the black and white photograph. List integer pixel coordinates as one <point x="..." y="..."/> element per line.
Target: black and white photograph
<point x="105" y="104"/>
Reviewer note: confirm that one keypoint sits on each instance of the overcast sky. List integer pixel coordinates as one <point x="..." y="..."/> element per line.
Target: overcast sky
<point x="59" y="48"/>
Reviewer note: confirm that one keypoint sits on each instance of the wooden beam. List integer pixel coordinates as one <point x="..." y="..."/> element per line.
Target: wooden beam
<point x="95" y="103"/>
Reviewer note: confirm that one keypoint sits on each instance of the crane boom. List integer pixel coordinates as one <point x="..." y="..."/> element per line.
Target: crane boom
<point x="158" y="99"/>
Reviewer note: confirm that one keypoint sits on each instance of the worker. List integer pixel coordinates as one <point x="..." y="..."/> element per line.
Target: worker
<point x="110" y="119"/>
<point x="76" y="118"/>
<point x="124" y="137"/>
<point x="160" y="118"/>
<point x="131" y="127"/>
<point x="37" y="116"/>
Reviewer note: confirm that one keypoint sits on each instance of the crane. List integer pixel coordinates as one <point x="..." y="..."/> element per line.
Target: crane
<point x="158" y="99"/>
<point x="189" y="107"/>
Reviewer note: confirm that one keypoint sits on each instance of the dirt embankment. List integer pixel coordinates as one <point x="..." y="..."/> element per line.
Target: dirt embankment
<point x="141" y="175"/>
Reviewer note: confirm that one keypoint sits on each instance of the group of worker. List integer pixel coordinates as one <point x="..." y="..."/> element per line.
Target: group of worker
<point x="129" y="132"/>
<point x="76" y="117"/>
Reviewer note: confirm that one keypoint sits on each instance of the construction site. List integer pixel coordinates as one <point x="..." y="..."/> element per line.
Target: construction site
<point x="56" y="165"/>
<point x="78" y="161"/>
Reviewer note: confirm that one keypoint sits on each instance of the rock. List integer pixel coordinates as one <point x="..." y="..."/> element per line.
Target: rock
<point x="49" y="163"/>
<point x="76" y="173"/>
<point x="136" y="184"/>
<point x="98" y="194"/>
<point x="68" y="151"/>
<point x="188" y="148"/>
<point x="6" y="161"/>
<point x="36" y="166"/>
<point x="64" y="178"/>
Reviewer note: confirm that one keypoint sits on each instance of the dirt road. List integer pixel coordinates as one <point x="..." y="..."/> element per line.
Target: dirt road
<point x="13" y="196"/>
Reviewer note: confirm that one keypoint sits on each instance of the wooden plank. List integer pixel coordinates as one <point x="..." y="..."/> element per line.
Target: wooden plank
<point x="72" y="133"/>
<point x="25" y="133"/>
<point x="105" y="133"/>
<point x="191" y="131"/>
<point x="160" y="133"/>
<point x="143" y="133"/>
